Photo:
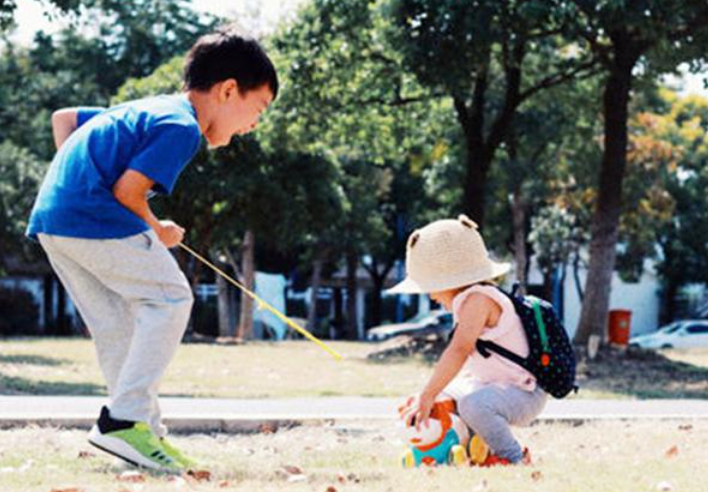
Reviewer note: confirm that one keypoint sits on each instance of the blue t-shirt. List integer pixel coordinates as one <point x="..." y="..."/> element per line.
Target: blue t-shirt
<point x="156" y="136"/>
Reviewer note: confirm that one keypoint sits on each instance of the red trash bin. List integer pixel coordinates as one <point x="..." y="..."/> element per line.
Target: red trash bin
<point x="620" y="325"/>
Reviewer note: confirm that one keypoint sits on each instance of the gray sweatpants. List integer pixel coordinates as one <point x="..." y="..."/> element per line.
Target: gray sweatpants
<point x="490" y="410"/>
<point x="136" y="304"/>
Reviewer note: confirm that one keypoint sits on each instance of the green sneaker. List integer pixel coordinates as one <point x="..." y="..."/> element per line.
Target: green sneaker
<point x="177" y="455"/>
<point x="133" y="442"/>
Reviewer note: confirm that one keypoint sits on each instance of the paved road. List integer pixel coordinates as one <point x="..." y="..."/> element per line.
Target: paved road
<point x="231" y="415"/>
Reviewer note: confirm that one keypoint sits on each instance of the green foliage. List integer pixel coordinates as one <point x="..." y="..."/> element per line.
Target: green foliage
<point x="20" y="175"/>
<point x="345" y="96"/>
<point x="71" y="69"/>
<point x="555" y="236"/>
<point x="683" y="236"/>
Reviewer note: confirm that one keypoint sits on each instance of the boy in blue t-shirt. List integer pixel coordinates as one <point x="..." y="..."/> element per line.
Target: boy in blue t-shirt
<point x="93" y="219"/>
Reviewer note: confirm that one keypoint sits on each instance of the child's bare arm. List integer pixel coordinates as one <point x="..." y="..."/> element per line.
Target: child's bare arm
<point x="63" y="124"/>
<point x="131" y="191"/>
<point x="473" y="317"/>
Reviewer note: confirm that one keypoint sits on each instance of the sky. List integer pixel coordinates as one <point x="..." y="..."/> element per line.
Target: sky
<point x="259" y="17"/>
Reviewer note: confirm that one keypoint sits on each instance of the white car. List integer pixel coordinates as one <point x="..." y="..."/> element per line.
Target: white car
<point x="437" y="321"/>
<point x="679" y="334"/>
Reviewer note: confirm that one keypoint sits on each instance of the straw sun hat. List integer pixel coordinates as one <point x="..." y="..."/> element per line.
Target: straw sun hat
<point x="447" y="254"/>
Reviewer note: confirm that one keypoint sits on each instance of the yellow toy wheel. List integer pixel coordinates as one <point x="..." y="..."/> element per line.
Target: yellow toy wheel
<point x="478" y="450"/>
<point x="407" y="460"/>
<point x="458" y="456"/>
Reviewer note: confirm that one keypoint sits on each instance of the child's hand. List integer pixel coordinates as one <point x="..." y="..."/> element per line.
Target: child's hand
<point x="417" y="410"/>
<point x="170" y="233"/>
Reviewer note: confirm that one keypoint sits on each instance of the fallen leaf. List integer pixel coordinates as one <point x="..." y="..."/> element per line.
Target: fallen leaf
<point x="292" y="470"/>
<point x="224" y="484"/>
<point x="331" y="488"/>
<point x="73" y="489"/>
<point x="672" y="452"/>
<point x="86" y="454"/>
<point x="131" y="476"/>
<point x="267" y="428"/>
<point x="536" y="476"/>
<point x="200" y="475"/>
<point x="341" y="478"/>
<point x="685" y="427"/>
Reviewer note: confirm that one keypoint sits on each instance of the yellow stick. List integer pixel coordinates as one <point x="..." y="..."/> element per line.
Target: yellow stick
<point x="262" y="303"/>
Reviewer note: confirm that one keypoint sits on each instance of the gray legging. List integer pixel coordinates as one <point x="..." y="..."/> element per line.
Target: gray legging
<point x="489" y="411"/>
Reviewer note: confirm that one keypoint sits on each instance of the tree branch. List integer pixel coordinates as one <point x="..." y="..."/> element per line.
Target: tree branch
<point x="558" y="78"/>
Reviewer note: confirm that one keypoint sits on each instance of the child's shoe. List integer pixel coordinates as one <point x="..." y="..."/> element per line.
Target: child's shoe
<point x="494" y="460"/>
<point x="133" y="442"/>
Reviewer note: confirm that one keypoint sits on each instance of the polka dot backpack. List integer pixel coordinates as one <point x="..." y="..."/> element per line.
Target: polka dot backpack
<point x="551" y="357"/>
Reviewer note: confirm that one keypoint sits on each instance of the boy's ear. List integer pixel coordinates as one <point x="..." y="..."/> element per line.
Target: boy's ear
<point x="228" y="89"/>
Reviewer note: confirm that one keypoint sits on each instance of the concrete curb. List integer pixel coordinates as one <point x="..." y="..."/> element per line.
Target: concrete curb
<point x="251" y="415"/>
<point x="241" y="425"/>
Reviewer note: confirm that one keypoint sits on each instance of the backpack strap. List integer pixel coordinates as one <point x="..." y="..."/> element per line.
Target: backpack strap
<point x="485" y="347"/>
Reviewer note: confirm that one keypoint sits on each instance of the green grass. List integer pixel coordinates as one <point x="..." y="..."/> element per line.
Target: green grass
<point x="599" y="456"/>
<point x="256" y="370"/>
<point x="49" y="366"/>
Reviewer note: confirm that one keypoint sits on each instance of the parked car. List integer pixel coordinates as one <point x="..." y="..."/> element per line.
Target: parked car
<point x="679" y="334"/>
<point x="437" y="321"/>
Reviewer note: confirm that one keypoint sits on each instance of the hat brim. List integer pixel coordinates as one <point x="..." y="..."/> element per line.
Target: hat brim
<point x="410" y="286"/>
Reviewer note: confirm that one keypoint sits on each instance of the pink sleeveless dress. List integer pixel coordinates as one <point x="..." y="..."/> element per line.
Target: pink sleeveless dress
<point x="509" y="333"/>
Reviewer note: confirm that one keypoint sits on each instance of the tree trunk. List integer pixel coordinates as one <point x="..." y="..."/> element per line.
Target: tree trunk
<point x="668" y="313"/>
<point x="315" y="289"/>
<point x="377" y="301"/>
<point x="63" y="323"/>
<point x="48" y="304"/>
<point x="248" y="268"/>
<point x="593" y="316"/>
<point x="547" y="289"/>
<point x="352" y="288"/>
<point x="519" y="207"/>
<point x="338" y="314"/>
<point x="475" y="183"/>
<point x="223" y="306"/>
<point x="576" y="277"/>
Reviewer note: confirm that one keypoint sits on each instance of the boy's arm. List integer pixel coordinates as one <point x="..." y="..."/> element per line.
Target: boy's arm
<point x="64" y="122"/>
<point x="131" y="191"/>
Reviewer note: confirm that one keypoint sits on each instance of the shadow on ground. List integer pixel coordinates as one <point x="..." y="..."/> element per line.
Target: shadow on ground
<point x="34" y="360"/>
<point x="13" y="385"/>
<point x="632" y="372"/>
<point x="643" y="374"/>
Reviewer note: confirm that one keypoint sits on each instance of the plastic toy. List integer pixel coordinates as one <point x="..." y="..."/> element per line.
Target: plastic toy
<point x="446" y="440"/>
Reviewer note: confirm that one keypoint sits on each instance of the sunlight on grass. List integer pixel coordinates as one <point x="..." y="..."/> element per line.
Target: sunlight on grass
<point x="601" y="456"/>
<point x="46" y="366"/>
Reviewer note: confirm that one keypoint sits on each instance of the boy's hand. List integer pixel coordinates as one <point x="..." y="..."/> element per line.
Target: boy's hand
<point x="169" y="233"/>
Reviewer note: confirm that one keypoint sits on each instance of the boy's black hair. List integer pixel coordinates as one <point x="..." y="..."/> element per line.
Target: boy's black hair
<point x="229" y="54"/>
